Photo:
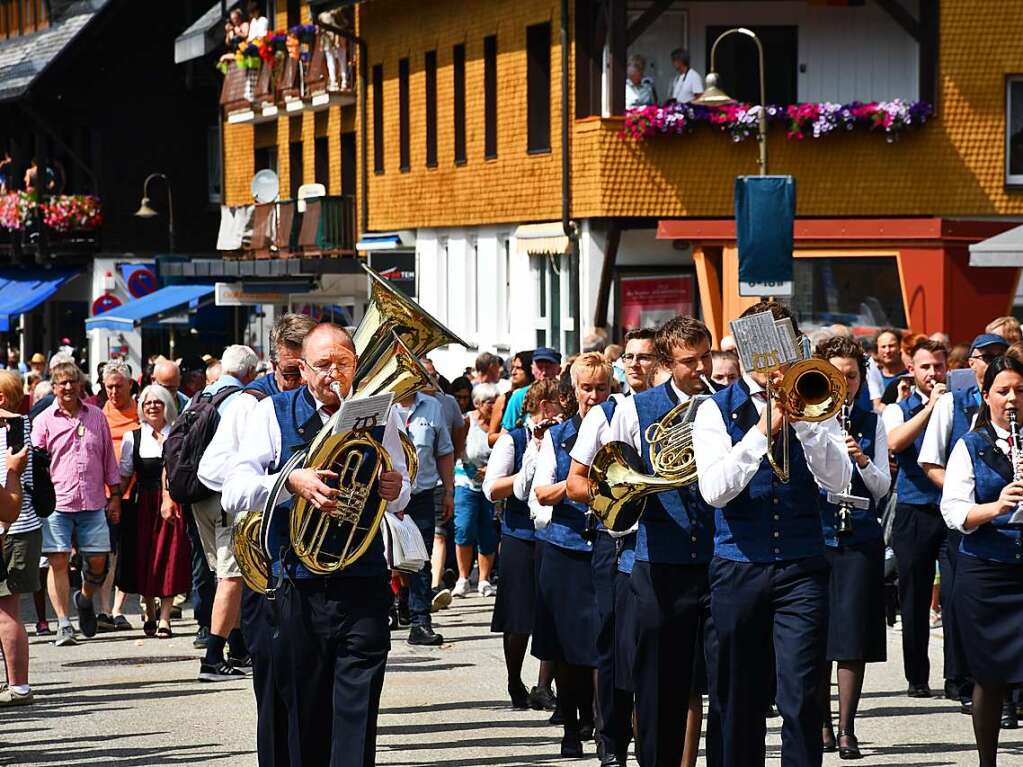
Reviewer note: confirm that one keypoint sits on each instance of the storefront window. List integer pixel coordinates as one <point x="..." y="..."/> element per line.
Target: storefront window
<point x="858" y="292"/>
<point x="1014" y="130"/>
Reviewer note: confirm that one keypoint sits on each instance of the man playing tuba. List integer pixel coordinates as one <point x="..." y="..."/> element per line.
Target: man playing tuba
<point x="331" y="641"/>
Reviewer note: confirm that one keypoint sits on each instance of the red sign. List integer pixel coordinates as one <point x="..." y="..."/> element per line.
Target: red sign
<point x="141" y="282"/>
<point x="105" y="303"/>
<point x="650" y="301"/>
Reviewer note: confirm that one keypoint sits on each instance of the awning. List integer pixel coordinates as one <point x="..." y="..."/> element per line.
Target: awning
<point x="541" y="239"/>
<point x="170" y="300"/>
<point x="1005" y="249"/>
<point x="22" y="291"/>
<point x="204" y="36"/>
<point x="404" y="240"/>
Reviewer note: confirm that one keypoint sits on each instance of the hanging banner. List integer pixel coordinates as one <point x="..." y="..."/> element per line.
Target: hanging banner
<point x="652" y="300"/>
<point x="765" y="211"/>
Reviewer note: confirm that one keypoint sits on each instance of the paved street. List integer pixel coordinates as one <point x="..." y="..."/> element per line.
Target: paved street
<point x="121" y="699"/>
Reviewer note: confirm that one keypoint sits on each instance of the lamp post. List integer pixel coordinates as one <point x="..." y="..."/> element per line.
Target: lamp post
<point x="713" y="96"/>
<point x="145" y="211"/>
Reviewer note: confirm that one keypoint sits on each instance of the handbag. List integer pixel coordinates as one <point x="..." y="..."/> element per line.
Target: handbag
<point x="404" y="547"/>
<point x="40" y="489"/>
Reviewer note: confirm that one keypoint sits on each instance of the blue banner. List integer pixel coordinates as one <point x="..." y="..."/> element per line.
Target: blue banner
<point x="765" y="209"/>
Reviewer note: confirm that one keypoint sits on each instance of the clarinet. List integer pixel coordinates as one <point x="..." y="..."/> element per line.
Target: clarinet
<point x="1016" y="458"/>
<point x="843" y="516"/>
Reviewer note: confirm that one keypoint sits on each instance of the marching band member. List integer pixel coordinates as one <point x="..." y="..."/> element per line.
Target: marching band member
<point x="566" y="624"/>
<point x="331" y="640"/>
<point x="614" y="701"/>
<point x="856" y="616"/>
<point x="768" y="576"/>
<point x="918" y="533"/>
<point x="509" y="477"/>
<point x="982" y="490"/>
<point x="952" y="418"/>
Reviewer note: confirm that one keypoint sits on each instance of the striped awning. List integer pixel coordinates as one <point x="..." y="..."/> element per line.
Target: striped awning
<point x="541" y="239"/>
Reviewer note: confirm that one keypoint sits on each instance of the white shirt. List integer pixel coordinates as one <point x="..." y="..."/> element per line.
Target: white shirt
<point x="877" y="474"/>
<point x="223" y="448"/>
<point x="148" y="448"/>
<point x="546" y="471"/>
<point x="685" y="88"/>
<point x="247" y="484"/>
<point x="939" y="431"/>
<point x="725" y="469"/>
<point x="641" y="95"/>
<point x="958" y="494"/>
<point x="502" y="463"/>
<point x="258" y="27"/>
<point x="893" y="416"/>
<point x="595" y="431"/>
<point x="875" y="383"/>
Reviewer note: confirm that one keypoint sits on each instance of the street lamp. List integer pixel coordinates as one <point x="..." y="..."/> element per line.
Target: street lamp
<point x="713" y="96"/>
<point x="145" y="211"/>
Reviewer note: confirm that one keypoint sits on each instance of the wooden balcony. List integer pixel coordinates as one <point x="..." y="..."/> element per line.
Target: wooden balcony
<point x="324" y="229"/>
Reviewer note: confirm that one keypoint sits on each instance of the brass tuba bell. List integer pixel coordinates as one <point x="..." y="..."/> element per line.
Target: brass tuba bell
<point x="254" y="567"/>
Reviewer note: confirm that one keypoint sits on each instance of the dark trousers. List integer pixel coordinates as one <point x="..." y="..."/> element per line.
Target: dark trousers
<point x="958" y="684"/>
<point x="919" y="535"/>
<point x="271" y="714"/>
<point x="330" y="649"/>
<point x="754" y="606"/>
<point x="422" y="508"/>
<point x="614" y="706"/>
<point x="670" y="601"/>
<point x="204" y="581"/>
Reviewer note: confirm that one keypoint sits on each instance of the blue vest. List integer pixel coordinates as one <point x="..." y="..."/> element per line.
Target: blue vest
<point x="769" y="521"/>
<point x="865" y="524"/>
<point x="266" y="384"/>
<point x="677" y="527"/>
<point x="965" y="404"/>
<point x="912" y="484"/>
<point x="300" y="423"/>
<point x="569" y="517"/>
<point x="992" y="471"/>
<point x="515" y="521"/>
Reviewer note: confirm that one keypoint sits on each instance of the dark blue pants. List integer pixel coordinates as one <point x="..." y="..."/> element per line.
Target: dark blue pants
<point x="271" y="714"/>
<point x="957" y="670"/>
<point x="614" y="706"/>
<point x="204" y="582"/>
<point x="755" y="606"/>
<point x="329" y="652"/>
<point x="422" y="508"/>
<point x="670" y="605"/>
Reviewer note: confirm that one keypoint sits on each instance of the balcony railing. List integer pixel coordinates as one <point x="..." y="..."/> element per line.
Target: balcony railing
<point x="324" y="229"/>
<point x="304" y="67"/>
<point x="49" y="227"/>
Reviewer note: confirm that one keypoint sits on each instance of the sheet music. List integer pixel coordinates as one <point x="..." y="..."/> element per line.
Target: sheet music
<point x="363" y="414"/>
<point x="764" y="343"/>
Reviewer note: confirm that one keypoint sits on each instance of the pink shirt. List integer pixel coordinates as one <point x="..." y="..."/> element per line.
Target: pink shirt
<point x="82" y="460"/>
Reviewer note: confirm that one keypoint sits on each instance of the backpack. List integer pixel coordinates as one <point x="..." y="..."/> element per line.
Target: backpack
<point x="186" y="443"/>
<point x="40" y="490"/>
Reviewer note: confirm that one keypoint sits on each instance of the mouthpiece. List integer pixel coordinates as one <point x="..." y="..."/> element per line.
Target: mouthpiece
<point x="336" y="388"/>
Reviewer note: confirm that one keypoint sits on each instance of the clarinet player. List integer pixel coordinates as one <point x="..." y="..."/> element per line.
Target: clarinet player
<point x="982" y="490"/>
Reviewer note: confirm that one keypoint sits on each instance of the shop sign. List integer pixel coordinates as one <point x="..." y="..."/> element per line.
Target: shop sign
<point x="650" y="301"/>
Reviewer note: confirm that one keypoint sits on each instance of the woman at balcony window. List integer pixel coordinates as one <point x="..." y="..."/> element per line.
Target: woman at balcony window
<point x="639" y="90"/>
<point x="259" y="25"/>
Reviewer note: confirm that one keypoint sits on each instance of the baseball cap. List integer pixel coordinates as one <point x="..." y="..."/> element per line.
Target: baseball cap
<point x="987" y="339"/>
<point x="547" y="354"/>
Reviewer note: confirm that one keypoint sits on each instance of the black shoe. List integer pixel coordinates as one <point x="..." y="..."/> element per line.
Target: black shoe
<point x="557" y="718"/>
<point x="243" y="662"/>
<point x="86" y="615"/>
<point x="392" y="619"/>
<point x="919" y="691"/>
<point x="175" y="613"/>
<point x="771" y="712"/>
<point x="585" y="730"/>
<point x="423" y="635"/>
<point x="851" y="747"/>
<point x="202" y="638"/>
<point x="105" y="623"/>
<point x="1009" y="719"/>
<point x="966" y="707"/>
<point x="571" y="746"/>
<point x="450" y="578"/>
<point x="219" y="672"/>
<point x="611" y="760"/>
<point x="121" y="623"/>
<point x="542" y="699"/>
<point x="519" y="695"/>
<point x="828" y="740"/>
<point x="404" y="616"/>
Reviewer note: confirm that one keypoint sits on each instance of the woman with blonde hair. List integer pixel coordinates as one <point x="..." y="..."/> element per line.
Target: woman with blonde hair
<point x="1006" y="327"/>
<point x="156" y="559"/>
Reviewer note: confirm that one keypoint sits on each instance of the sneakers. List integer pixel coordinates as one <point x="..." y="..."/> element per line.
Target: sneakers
<point x="86" y="615"/>
<point x="219" y="672"/>
<point x="11" y="697"/>
<point x="43" y="629"/>
<point x="441" y="599"/>
<point x="65" y="637"/>
<point x="486" y="589"/>
<point x="202" y="638"/>
<point x="461" y="588"/>
<point x="242" y="662"/>
<point x="105" y="623"/>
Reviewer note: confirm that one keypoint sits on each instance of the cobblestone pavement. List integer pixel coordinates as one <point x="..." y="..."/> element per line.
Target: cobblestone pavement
<point x="121" y="699"/>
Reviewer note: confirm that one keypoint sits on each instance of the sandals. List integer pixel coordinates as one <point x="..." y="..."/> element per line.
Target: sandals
<point x="149" y="628"/>
<point x="164" y="632"/>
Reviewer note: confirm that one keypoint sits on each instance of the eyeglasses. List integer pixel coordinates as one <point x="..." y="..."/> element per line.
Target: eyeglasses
<point x="152" y="403"/>
<point x="641" y="359"/>
<point x="988" y="358"/>
<point x="343" y="367"/>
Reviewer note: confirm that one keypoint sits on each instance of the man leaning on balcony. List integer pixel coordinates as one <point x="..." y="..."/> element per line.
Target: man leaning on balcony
<point x="687" y="84"/>
<point x="639" y="90"/>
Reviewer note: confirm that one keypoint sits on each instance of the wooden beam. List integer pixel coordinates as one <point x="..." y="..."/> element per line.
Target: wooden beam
<point x="708" y="279"/>
<point x="646" y="20"/>
<point x="614" y="237"/>
<point x="901" y="16"/>
<point x="617" y="21"/>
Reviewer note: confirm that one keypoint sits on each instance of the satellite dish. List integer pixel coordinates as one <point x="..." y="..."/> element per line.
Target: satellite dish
<point x="265" y="186"/>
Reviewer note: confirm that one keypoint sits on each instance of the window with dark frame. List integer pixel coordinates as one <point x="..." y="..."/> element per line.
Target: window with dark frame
<point x="404" y="159"/>
<point x="296" y="166"/>
<point x="538" y="88"/>
<point x="1014" y="131"/>
<point x="378" y="118"/>
<point x="321" y="161"/>
<point x="458" y="67"/>
<point x="490" y="97"/>
<point x="294" y="11"/>
<point x="430" y="67"/>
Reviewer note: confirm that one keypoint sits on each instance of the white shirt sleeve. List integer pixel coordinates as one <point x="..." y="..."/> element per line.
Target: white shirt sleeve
<point x="892" y="417"/>
<point x="938" y="431"/>
<point x="724" y="469"/>
<point x="500" y="465"/>
<point x="877" y="475"/>
<point x="392" y="444"/>
<point x="593" y="435"/>
<point x="524" y="479"/>
<point x="875" y="383"/>
<point x="126" y="466"/>
<point x="624" y="426"/>
<point x="546" y="471"/>
<point x="247" y="484"/>
<point x="826" y="453"/>
<point x="223" y="448"/>
<point x="958" y="494"/>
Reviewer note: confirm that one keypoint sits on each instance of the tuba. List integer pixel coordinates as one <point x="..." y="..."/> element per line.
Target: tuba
<point x="394" y="332"/>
